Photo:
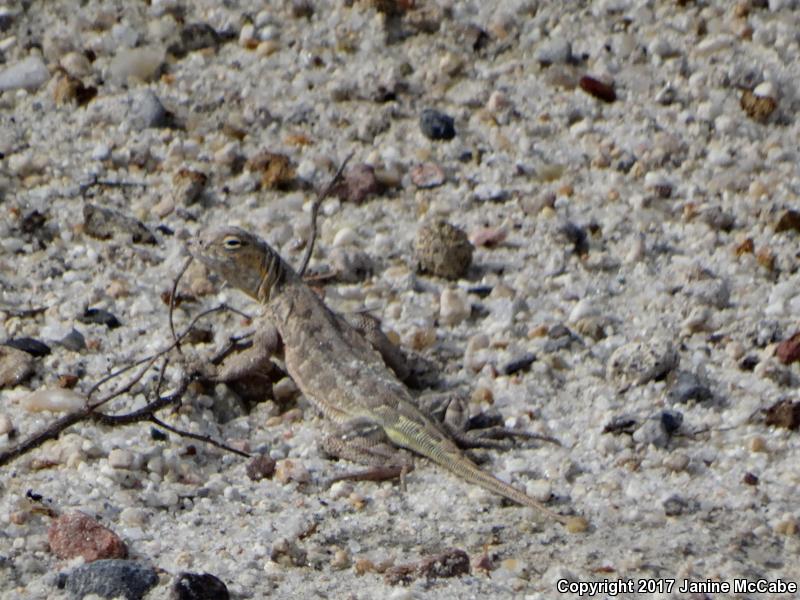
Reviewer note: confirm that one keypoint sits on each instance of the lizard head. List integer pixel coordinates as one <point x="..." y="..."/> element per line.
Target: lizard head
<point x="241" y="258"/>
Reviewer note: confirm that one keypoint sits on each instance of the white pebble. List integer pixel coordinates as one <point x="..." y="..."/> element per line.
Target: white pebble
<point x="453" y="306"/>
<point x="59" y="400"/>
<point x="76" y="64"/>
<point x="29" y="73"/>
<point x="766" y="89"/>
<point x="101" y="152"/>
<point x="136" y="63"/>
<point x="584" y="308"/>
<point x="121" y="459"/>
<point x="6" y="426"/>
<point x="344" y="237"/>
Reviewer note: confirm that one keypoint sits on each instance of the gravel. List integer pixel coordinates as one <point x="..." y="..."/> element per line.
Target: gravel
<point x="640" y="160"/>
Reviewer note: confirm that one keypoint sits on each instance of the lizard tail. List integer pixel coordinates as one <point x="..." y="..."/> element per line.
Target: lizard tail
<point x="444" y="453"/>
<point x="466" y="469"/>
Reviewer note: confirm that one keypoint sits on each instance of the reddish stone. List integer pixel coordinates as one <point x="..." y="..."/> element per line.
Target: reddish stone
<point x="788" y="351"/>
<point x="77" y="534"/>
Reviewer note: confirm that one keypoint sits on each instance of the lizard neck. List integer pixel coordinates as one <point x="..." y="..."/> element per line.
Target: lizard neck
<point x="276" y="274"/>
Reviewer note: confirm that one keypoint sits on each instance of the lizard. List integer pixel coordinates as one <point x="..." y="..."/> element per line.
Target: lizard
<point x="334" y="365"/>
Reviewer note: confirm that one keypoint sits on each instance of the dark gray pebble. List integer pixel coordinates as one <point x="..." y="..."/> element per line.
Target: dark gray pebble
<point x="522" y="363"/>
<point x="110" y="578"/>
<point x="436" y="125"/>
<point x="688" y="387"/>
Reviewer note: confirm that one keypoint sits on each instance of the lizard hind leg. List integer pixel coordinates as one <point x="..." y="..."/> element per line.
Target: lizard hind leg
<point x="367" y="444"/>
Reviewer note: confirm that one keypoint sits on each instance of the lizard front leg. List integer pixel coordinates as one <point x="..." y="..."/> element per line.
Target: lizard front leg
<point x="250" y="372"/>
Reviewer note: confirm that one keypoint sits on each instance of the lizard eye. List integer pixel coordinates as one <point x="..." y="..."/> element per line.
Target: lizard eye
<point x="232" y="243"/>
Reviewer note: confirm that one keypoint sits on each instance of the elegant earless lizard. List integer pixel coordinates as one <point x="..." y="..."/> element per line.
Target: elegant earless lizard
<point x="335" y="366"/>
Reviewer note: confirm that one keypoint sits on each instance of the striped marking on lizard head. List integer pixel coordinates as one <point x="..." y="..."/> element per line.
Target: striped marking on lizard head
<point x="241" y="258"/>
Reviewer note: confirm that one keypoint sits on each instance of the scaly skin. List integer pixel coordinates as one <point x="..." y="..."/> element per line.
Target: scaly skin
<point x="332" y="363"/>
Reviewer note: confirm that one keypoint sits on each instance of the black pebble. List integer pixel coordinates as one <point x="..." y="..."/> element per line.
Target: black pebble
<point x="30" y="345"/>
<point x="436" y="125"/>
<point x="99" y="316"/>
<point x="199" y="586"/>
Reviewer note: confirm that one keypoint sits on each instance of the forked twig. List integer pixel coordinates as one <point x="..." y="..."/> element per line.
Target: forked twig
<point x="315" y="209"/>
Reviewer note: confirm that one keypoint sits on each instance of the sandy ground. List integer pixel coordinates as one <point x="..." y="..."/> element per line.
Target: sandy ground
<point x="644" y="250"/>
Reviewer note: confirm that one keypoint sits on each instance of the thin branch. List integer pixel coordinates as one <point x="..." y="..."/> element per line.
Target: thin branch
<point x="197" y="436"/>
<point x="172" y="295"/>
<point x="315" y="209"/>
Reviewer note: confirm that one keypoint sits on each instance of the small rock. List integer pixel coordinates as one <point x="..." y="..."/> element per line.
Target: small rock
<point x="29" y="74"/>
<point x="758" y="108"/>
<point x="74" y="341"/>
<point x="196" y="36"/>
<point x="639" y="362"/>
<point x="750" y="479"/>
<point x="783" y="413"/>
<point x="277" y="170"/>
<point x="671" y="421"/>
<point x="436" y="125"/>
<point x="427" y="175"/>
<point x="260" y="467"/>
<point x="350" y="265"/>
<point x="454" y="306"/>
<point x="77" y="534"/>
<point x="187" y="186"/>
<point x="69" y="88"/>
<point x="287" y="554"/>
<point x="6" y="425"/>
<point x="198" y="586"/>
<point x="287" y="470"/>
<point x="675" y="505"/>
<point x="15" y="366"/>
<point x="788" y="351"/>
<point x="55" y="400"/>
<point x="109" y="579"/>
<point x="104" y="223"/>
<point x="453" y="562"/>
<point x="488" y="236"/>
<point x="552" y="51"/>
<point x="620" y="424"/>
<point x="76" y="64"/>
<point x="598" y="89"/>
<point x="29" y="345"/>
<point x="143" y="64"/>
<point x="100" y="317"/>
<point x="120" y="458"/>
<point x="146" y="111"/>
<point x="687" y="386"/>
<point x="358" y="183"/>
<point x="522" y="363"/>
<point x="788" y="221"/>
<point x="443" y="250"/>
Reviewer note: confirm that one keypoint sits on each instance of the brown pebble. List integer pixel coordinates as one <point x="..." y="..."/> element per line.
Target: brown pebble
<point x="442" y="249"/>
<point x="277" y="172"/>
<point x="746" y="246"/>
<point x="598" y="89"/>
<point x="788" y="221"/>
<point x="260" y="467"/>
<point x="67" y="381"/>
<point x="783" y="413"/>
<point x="750" y="479"/>
<point x="77" y="534"/>
<point x="362" y="566"/>
<point x="758" y="108"/>
<point x="69" y="88"/>
<point x="188" y="185"/>
<point x="453" y="562"/>
<point x="427" y="175"/>
<point x="576" y="525"/>
<point x="358" y="183"/>
<point x="788" y="351"/>
<point x="15" y="366"/>
<point x="766" y="259"/>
